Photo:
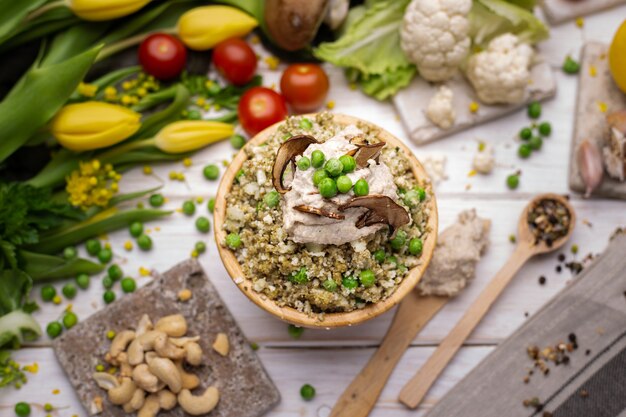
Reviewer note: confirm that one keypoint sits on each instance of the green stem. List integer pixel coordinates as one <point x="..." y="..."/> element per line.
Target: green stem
<point x="154" y="99"/>
<point x="127" y="43"/>
<point x="44" y="9"/>
<point x="126" y="147"/>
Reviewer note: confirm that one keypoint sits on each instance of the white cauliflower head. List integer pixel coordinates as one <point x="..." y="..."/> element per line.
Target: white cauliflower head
<point x="440" y="110"/>
<point x="434" y="36"/>
<point x="501" y="73"/>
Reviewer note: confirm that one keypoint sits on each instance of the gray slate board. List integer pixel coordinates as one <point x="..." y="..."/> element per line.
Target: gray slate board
<point x="558" y="11"/>
<point x="590" y="122"/>
<point x="245" y="388"/>
<point x="593" y="307"/>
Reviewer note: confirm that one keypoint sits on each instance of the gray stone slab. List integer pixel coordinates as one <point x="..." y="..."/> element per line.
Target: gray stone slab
<point x="558" y="11"/>
<point x="245" y="388"/>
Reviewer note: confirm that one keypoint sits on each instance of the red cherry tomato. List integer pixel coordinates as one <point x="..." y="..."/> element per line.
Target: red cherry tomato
<point x="162" y="56"/>
<point x="235" y="60"/>
<point x="304" y="86"/>
<point x="259" y="108"/>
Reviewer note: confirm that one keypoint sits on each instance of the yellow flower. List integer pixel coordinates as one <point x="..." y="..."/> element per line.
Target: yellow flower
<point x="204" y="27"/>
<point x="87" y="90"/>
<point x="91" y="184"/>
<point x="190" y="135"/>
<point x="93" y="125"/>
<point x="97" y="10"/>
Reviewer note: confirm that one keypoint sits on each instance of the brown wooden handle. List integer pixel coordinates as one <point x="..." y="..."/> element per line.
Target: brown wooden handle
<point x="415" y="390"/>
<point x="360" y="396"/>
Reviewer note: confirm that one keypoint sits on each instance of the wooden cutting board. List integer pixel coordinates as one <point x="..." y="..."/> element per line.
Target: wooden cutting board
<point x="558" y="11"/>
<point x="595" y="94"/>
<point x="245" y="388"/>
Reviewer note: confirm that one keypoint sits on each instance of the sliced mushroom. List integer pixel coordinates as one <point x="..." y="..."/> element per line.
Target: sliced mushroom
<point x="617" y="120"/>
<point x="292" y="24"/>
<point x="286" y="154"/>
<point x="319" y="211"/>
<point x="380" y="210"/>
<point x="365" y="151"/>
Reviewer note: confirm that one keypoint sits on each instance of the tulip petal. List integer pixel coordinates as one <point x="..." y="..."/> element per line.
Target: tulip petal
<point x="204" y="27"/>
<point x="99" y="10"/>
<point x="187" y="136"/>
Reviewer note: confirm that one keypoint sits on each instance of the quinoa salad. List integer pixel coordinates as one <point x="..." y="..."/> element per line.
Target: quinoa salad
<point x="317" y="242"/>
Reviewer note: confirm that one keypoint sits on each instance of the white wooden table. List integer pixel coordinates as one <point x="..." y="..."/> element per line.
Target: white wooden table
<point x="330" y="359"/>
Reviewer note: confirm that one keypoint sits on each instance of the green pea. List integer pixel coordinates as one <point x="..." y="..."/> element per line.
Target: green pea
<point x="318" y="176"/>
<point x="211" y="172"/>
<point x="421" y="193"/>
<point x="136" y="229"/>
<point x="237" y="141"/>
<point x="367" y="278"/>
<point x="156" y="200"/>
<point x="534" y="110"/>
<point x="93" y="246"/>
<point x="108" y="296"/>
<point x="524" y="150"/>
<point x="54" y="329"/>
<point x="402" y="269"/>
<point x="512" y="181"/>
<point x="128" y="285"/>
<point x="545" y="129"/>
<point x="105" y="255"/>
<point x="415" y="246"/>
<point x="330" y="285"/>
<point x="200" y="247"/>
<point x="349" y="283"/>
<point x="69" y="320"/>
<point x="412" y="197"/>
<point x="203" y="224"/>
<point x="399" y="240"/>
<point x="83" y="281"/>
<point x="239" y="174"/>
<point x="300" y="277"/>
<point x="294" y="331"/>
<point x="48" y="292"/>
<point x="526" y="133"/>
<point x="115" y="272"/>
<point x="107" y="282"/>
<point x="317" y="158"/>
<point x="307" y="392"/>
<point x="305" y="124"/>
<point x="334" y="167"/>
<point x="70" y="253"/>
<point x="233" y="241"/>
<point x="48" y="407"/>
<point x="69" y="291"/>
<point x="22" y="409"/>
<point x="194" y="115"/>
<point x="144" y="242"/>
<point x="570" y="66"/>
<point x="361" y="188"/>
<point x="272" y="199"/>
<point x="535" y="143"/>
<point x="392" y="260"/>
<point x="348" y="162"/>
<point x="211" y="205"/>
<point x="303" y="163"/>
<point x="344" y="184"/>
<point x="328" y="188"/>
<point x="379" y="256"/>
<point x="189" y="208"/>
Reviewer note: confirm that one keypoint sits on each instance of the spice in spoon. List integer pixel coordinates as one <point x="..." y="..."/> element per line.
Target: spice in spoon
<point x="549" y="220"/>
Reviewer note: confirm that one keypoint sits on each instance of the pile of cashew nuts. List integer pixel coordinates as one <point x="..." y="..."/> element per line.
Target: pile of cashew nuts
<point x="150" y="376"/>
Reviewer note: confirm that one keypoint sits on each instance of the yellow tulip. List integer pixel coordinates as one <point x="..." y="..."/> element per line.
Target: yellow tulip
<point x="97" y="10"/>
<point x="93" y="125"/>
<point x="204" y="27"/>
<point x="190" y="135"/>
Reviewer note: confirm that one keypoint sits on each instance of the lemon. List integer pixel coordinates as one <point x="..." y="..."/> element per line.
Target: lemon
<point x="617" y="57"/>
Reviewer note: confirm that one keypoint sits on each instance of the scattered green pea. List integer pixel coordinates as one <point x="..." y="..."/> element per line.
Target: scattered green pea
<point x="237" y="141"/>
<point x="303" y="163"/>
<point x="349" y="282"/>
<point x="305" y="124"/>
<point x="157" y="200"/>
<point x="189" y="208"/>
<point x="317" y="158"/>
<point x="318" y="176"/>
<point x="379" y="256"/>
<point x="300" y="277"/>
<point x="70" y="319"/>
<point x="254" y="346"/>
<point x="574" y="249"/>
<point x="70" y="253"/>
<point x="399" y="240"/>
<point x="535" y="143"/>
<point x="512" y="181"/>
<point x="333" y="167"/>
<point x="524" y="150"/>
<point x="128" y="285"/>
<point x="54" y="329"/>
<point x="545" y="129"/>
<point x="348" y="162"/>
<point x="361" y="188"/>
<point x="105" y="255"/>
<point x="144" y="242"/>
<point x="93" y="246"/>
<point x="534" y="110"/>
<point x="22" y="409"/>
<point x="200" y="247"/>
<point x="272" y="199"/>
<point x="392" y="260"/>
<point x="512" y="238"/>
<point x="307" y="392"/>
<point x="48" y="292"/>
<point x="203" y="224"/>
<point x="108" y="296"/>
<point x="69" y="291"/>
<point x="526" y="133"/>
<point x="211" y="205"/>
<point x="83" y="281"/>
<point x="211" y="172"/>
<point x="107" y="282"/>
<point x="115" y="272"/>
<point x="367" y="278"/>
<point x="239" y="174"/>
<point x="570" y="66"/>
<point x="330" y="285"/>
<point x="344" y="184"/>
<point x="136" y="229"/>
<point x="233" y="241"/>
<point x="328" y="188"/>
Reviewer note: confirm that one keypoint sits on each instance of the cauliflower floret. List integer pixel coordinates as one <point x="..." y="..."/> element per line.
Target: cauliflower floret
<point x="501" y="73"/>
<point x="440" y="110"/>
<point x="484" y="161"/>
<point x="434" y="36"/>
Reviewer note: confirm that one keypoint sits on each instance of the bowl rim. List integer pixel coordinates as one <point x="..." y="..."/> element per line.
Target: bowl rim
<point x="290" y="314"/>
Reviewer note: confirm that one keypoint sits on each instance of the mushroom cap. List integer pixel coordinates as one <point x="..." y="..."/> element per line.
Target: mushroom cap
<point x="286" y="154"/>
<point x="381" y="209"/>
<point x="292" y="24"/>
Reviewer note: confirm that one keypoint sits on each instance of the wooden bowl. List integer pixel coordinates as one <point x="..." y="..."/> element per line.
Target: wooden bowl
<point x="292" y="315"/>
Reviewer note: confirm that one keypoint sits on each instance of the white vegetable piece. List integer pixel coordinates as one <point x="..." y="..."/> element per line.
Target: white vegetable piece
<point x="484" y="160"/>
<point x="501" y="73"/>
<point x="440" y="110"/>
<point x="434" y="36"/>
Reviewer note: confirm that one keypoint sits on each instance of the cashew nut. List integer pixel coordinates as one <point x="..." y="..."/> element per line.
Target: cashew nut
<point x="141" y="344"/>
<point x="150" y="407"/>
<point x="166" y="349"/>
<point x="193" y="353"/>
<point x="190" y="381"/>
<point x="201" y="404"/>
<point x="125" y="368"/>
<point x="96" y="405"/>
<point x="123" y="393"/>
<point x="136" y="402"/>
<point x="166" y="371"/>
<point x="221" y="344"/>
<point x="120" y="342"/>
<point x="144" y="379"/>
<point x="167" y="400"/>
<point x="144" y="325"/>
<point x="174" y="325"/>
<point x="105" y="380"/>
<point x="182" y="341"/>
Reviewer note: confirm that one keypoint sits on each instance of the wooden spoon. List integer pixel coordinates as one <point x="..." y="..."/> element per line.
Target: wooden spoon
<point x="415" y="390"/>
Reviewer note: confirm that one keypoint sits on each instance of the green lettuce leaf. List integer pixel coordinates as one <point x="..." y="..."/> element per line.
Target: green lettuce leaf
<point x="491" y="18"/>
<point x="18" y="327"/>
<point x="384" y="86"/>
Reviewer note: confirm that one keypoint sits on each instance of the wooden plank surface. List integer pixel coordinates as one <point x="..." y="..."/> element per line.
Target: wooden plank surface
<point x="330" y="359"/>
<point x="558" y="11"/>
